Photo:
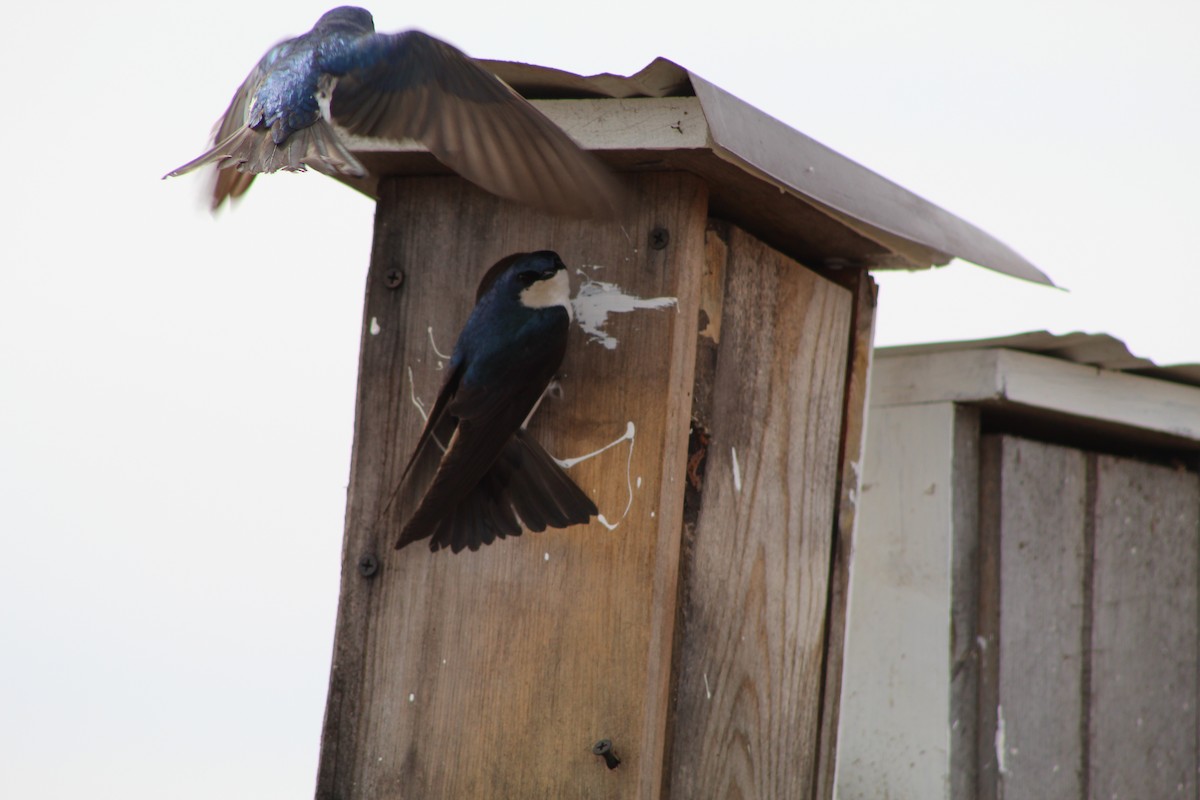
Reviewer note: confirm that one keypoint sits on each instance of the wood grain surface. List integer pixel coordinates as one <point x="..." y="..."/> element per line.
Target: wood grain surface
<point x="854" y="423"/>
<point x="1041" y="649"/>
<point x="750" y="651"/>
<point x="1089" y="684"/>
<point x="1145" y="648"/>
<point x="491" y="674"/>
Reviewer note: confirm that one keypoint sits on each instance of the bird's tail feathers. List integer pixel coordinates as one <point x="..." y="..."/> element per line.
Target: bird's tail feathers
<point x="247" y="152"/>
<point x="525" y="489"/>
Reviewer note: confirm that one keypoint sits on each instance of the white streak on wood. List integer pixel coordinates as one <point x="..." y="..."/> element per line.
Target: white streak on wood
<point x="597" y="299"/>
<point x="707" y="689"/>
<point x="737" y="471"/>
<point x="416" y="401"/>
<point x="630" y="434"/>
<point x="375" y="329"/>
<point x="1000" y="749"/>
<point x="433" y="344"/>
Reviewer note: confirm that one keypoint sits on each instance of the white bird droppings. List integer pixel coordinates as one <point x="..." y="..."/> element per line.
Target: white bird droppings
<point x="737" y="471"/>
<point x="999" y="742"/>
<point x="597" y="299"/>
<point x="630" y="435"/>
<point x="433" y="344"/>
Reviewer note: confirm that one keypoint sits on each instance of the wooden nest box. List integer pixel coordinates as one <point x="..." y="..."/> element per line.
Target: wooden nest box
<point x="698" y="629"/>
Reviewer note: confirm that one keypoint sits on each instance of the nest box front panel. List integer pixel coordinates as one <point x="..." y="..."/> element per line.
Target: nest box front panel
<point x="496" y="672"/>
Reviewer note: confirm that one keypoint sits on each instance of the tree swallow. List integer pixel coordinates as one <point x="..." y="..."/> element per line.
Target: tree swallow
<point x="342" y="76"/>
<point x="493" y="477"/>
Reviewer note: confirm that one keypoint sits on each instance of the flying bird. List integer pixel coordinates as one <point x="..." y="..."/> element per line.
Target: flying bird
<point x="493" y="476"/>
<point x="303" y="99"/>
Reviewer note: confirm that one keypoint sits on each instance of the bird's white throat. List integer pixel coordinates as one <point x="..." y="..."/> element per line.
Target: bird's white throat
<point x="555" y="291"/>
<point x="325" y="87"/>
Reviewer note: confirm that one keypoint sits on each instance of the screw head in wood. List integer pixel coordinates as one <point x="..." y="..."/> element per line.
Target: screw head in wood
<point x="393" y="278"/>
<point x="604" y="749"/>
<point x="659" y="238"/>
<point x="368" y="564"/>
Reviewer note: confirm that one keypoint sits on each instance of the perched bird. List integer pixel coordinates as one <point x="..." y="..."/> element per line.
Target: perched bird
<point x="340" y="79"/>
<point x="493" y="476"/>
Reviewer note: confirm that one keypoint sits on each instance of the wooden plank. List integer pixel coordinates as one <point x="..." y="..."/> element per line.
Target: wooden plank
<point x="748" y="689"/>
<point x="991" y="481"/>
<point x="646" y="124"/>
<point x="491" y="674"/>
<point x="1144" y="642"/>
<point x="1042" y="552"/>
<point x="894" y="733"/>
<point x="854" y="423"/>
<point x="958" y="376"/>
<point x="964" y="606"/>
<point x="1051" y="385"/>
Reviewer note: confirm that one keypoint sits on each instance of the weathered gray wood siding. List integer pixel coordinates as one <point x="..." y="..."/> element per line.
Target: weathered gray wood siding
<point x="1096" y="653"/>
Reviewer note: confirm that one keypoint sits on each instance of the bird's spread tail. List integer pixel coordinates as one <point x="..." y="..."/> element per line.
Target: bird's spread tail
<point x="524" y="489"/>
<point x="248" y="152"/>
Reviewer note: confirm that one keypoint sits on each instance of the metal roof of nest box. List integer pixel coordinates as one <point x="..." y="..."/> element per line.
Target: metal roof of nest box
<point x="788" y="189"/>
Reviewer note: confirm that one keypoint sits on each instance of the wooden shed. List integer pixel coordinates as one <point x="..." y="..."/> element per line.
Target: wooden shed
<point x="1024" y="606"/>
<point x="711" y="403"/>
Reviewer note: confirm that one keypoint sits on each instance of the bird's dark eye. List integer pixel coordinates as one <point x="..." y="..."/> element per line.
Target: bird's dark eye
<point x="528" y="276"/>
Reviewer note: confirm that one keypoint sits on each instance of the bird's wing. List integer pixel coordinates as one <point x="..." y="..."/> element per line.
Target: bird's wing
<point x="437" y="419"/>
<point x="240" y="152"/>
<point x="487" y="417"/>
<point x="412" y="86"/>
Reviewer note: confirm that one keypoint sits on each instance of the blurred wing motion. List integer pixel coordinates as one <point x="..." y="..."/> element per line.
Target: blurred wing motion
<point x="411" y="85"/>
<point x="341" y="76"/>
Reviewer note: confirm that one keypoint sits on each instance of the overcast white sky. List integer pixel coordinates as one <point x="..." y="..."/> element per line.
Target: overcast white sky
<point x="177" y="392"/>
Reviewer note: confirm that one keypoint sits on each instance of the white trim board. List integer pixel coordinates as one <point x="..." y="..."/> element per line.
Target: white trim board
<point x="1010" y="377"/>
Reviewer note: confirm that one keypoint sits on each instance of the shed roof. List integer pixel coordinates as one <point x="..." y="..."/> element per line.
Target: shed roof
<point x="1089" y="381"/>
<point x="1091" y="349"/>
<point x="790" y="190"/>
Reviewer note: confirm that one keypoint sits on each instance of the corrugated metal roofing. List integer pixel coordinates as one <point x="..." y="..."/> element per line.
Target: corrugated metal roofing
<point x="741" y="133"/>
<point x="792" y="191"/>
<point x="1092" y="349"/>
